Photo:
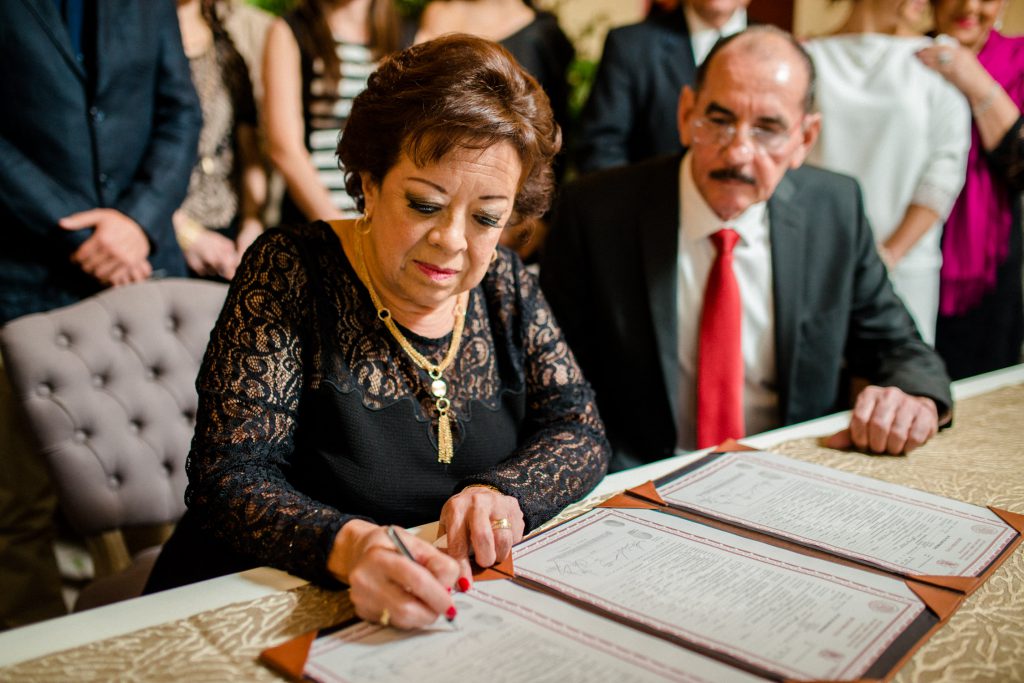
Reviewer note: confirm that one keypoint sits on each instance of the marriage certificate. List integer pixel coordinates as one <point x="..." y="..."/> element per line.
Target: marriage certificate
<point x="770" y="610"/>
<point x="505" y="632"/>
<point x="893" y="527"/>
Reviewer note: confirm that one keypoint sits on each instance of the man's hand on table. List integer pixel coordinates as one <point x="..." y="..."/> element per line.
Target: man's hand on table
<point x="888" y="420"/>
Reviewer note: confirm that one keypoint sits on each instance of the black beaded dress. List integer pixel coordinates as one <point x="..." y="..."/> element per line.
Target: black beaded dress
<point x="310" y="414"/>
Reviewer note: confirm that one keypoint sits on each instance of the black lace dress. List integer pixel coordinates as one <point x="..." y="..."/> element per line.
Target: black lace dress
<point x="310" y="414"/>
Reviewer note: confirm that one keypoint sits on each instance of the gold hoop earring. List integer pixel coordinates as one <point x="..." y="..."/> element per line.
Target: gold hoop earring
<point x="362" y="226"/>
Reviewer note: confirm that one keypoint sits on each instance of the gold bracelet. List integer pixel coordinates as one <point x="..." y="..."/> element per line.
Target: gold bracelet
<point x="188" y="232"/>
<point x="986" y="102"/>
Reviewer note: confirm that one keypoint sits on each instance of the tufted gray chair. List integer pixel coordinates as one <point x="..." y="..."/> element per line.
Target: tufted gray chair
<point x="108" y="389"/>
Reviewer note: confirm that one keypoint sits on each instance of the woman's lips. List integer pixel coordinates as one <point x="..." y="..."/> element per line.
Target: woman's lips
<point x="435" y="273"/>
<point x="966" y="23"/>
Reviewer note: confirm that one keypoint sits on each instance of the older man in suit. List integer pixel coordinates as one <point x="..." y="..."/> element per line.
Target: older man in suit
<point x="725" y="291"/>
<point x="630" y="114"/>
<point x="98" y="134"/>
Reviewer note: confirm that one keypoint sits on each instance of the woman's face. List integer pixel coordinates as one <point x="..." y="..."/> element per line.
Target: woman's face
<point x="969" y="21"/>
<point x="433" y="229"/>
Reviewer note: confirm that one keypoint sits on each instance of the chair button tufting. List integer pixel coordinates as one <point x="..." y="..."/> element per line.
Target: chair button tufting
<point x="114" y="481"/>
<point x="44" y="390"/>
<point x="151" y="374"/>
<point x="134" y="426"/>
<point x="98" y="381"/>
<point x="168" y="469"/>
<point x="63" y="341"/>
<point x="172" y="323"/>
<point x="117" y="332"/>
<point x="80" y="436"/>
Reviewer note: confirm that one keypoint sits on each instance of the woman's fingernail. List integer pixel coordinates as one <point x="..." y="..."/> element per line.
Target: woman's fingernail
<point x="464" y="584"/>
<point x="450" y="614"/>
<point x="449" y="589"/>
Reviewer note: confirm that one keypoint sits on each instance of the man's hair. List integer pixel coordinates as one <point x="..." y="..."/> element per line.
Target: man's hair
<point x="751" y="34"/>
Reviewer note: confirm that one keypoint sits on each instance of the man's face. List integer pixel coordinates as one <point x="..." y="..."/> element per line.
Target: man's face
<point x="747" y="126"/>
<point x="716" y="12"/>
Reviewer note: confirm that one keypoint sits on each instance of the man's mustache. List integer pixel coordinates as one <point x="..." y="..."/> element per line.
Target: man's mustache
<point x="732" y="174"/>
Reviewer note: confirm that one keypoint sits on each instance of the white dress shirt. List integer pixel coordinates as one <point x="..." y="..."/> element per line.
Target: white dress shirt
<point x="703" y="35"/>
<point x="752" y="265"/>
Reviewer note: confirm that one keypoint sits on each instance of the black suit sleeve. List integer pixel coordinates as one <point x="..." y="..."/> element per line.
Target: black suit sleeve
<point x="610" y="113"/>
<point x="162" y="178"/>
<point x="883" y="343"/>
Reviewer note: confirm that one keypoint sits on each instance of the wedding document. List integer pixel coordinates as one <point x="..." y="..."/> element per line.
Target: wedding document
<point x="505" y="632"/>
<point x="775" y="610"/>
<point x="900" y="529"/>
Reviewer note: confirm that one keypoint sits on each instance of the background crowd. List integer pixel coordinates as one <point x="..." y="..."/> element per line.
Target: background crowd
<point x="165" y="142"/>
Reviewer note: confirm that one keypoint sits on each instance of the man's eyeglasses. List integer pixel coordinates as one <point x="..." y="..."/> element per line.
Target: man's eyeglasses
<point x="715" y="132"/>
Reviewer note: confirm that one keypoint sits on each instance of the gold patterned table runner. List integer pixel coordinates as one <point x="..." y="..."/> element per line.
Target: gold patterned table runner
<point x="980" y="460"/>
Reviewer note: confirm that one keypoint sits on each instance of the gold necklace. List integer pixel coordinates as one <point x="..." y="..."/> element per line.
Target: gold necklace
<point x="438" y="387"/>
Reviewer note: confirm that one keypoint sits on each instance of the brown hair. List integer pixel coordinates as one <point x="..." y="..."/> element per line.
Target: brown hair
<point x="318" y="41"/>
<point x="454" y="92"/>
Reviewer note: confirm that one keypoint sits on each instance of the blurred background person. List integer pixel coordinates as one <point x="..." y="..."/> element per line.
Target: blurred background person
<point x="630" y="114"/>
<point x="317" y="59"/>
<point x="97" y="136"/>
<point x="981" y="321"/>
<point x="902" y="131"/>
<point x="220" y="216"/>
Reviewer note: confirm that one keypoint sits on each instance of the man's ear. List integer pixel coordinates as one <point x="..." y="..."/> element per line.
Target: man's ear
<point x="811" y="128"/>
<point x="687" y="101"/>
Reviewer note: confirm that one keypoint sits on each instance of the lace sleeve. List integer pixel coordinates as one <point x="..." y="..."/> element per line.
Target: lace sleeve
<point x="249" y="388"/>
<point x="564" y="453"/>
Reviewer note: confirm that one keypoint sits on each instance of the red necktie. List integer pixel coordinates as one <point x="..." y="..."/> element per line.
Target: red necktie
<point x="720" y="355"/>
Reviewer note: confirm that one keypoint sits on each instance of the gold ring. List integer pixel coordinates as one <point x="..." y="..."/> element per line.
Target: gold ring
<point x="502" y="523"/>
<point x="385" y="617"/>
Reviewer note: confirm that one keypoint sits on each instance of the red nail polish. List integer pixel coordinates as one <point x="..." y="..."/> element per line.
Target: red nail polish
<point x="450" y="614"/>
<point x="464" y="584"/>
<point x="449" y="589"/>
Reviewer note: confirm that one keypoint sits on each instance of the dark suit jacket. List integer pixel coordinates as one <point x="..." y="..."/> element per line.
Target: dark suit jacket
<point x="124" y="139"/>
<point x="609" y="273"/>
<point x="631" y="112"/>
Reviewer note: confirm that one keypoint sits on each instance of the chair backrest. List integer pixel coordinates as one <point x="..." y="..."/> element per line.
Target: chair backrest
<point x="108" y="389"/>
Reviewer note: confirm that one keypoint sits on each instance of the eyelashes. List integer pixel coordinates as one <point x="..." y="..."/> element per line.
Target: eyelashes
<point x="425" y="208"/>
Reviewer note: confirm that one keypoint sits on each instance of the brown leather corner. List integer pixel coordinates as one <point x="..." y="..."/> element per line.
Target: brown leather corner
<point x="289" y="658"/>
<point x="626" y="501"/>
<point x="1014" y="519"/>
<point x="941" y="601"/>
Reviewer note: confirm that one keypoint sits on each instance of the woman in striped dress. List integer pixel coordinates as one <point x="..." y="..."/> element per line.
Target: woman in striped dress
<point x="316" y="60"/>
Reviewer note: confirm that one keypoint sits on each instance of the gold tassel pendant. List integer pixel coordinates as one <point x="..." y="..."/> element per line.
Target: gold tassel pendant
<point x="444" y="432"/>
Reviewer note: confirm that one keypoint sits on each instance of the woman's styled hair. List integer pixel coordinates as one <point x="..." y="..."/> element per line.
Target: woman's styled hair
<point x="455" y="92"/>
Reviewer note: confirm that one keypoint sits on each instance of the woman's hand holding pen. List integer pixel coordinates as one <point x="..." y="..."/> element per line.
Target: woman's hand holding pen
<point x="384" y="585"/>
<point x="482" y="520"/>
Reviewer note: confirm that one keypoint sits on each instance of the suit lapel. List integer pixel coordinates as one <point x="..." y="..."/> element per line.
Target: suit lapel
<point x="45" y="12"/>
<point x="788" y="248"/>
<point x="658" y="225"/>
